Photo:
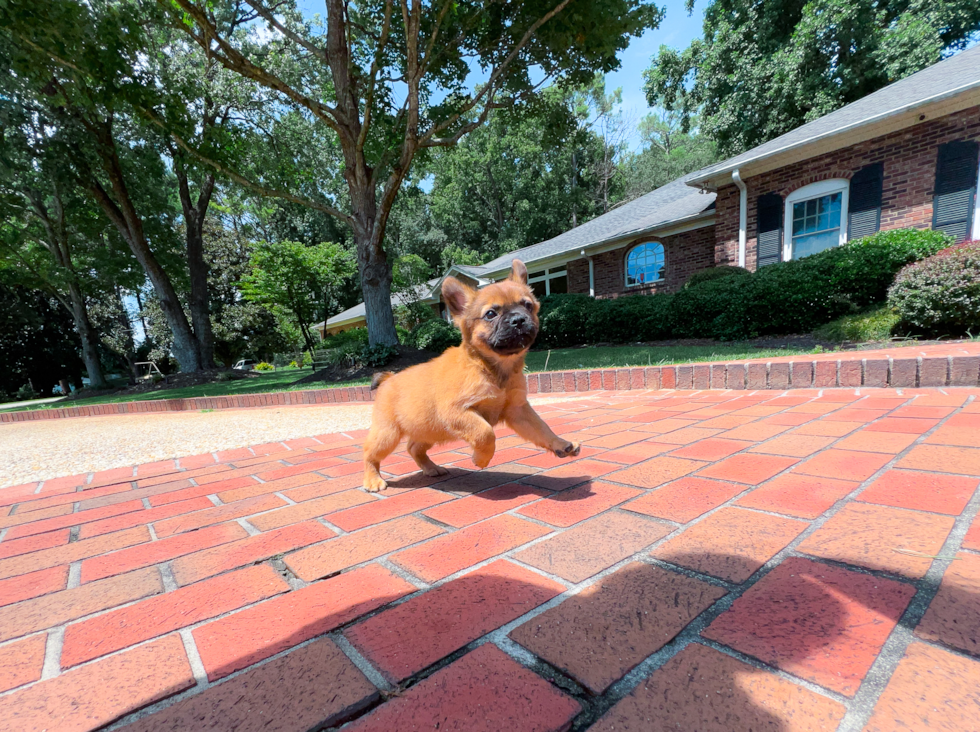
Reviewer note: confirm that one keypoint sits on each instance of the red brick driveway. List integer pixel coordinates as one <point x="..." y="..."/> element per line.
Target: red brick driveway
<point x="806" y="560"/>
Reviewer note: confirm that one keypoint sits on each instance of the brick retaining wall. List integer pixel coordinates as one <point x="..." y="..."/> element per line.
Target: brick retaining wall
<point x="876" y="369"/>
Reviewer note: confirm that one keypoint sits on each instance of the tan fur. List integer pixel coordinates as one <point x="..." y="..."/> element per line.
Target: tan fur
<point x="465" y="392"/>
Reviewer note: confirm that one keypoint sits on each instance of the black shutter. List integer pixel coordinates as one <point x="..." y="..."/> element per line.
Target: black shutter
<point x="770" y="229"/>
<point x="956" y="182"/>
<point x="864" y="202"/>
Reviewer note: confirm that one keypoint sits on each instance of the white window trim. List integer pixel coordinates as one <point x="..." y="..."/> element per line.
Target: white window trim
<point x="814" y="190"/>
<point x="626" y="259"/>
<point x="974" y="232"/>
<point x="547" y="277"/>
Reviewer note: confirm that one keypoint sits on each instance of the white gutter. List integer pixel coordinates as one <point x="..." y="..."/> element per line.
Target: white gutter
<point x="591" y="274"/>
<point x="743" y="215"/>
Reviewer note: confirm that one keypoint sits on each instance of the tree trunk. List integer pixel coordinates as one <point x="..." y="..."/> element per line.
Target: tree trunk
<point x="122" y="212"/>
<point x="88" y="336"/>
<point x="199" y="299"/>
<point x="372" y="264"/>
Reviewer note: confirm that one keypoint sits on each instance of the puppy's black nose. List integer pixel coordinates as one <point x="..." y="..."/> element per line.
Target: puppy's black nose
<point x="518" y="320"/>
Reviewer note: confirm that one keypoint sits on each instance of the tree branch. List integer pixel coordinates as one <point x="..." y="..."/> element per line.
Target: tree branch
<point x="495" y="77"/>
<point x="233" y="60"/>
<point x="241" y="179"/>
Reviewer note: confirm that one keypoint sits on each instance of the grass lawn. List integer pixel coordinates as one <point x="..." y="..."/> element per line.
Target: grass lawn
<point x="569" y="359"/>
<point x="566" y="359"/>
<point x="272" y="381"/>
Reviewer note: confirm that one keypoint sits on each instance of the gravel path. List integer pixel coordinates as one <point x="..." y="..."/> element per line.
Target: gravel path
<point x="31" y="451"/>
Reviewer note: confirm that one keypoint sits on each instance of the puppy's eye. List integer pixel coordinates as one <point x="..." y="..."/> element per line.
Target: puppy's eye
<point x="490" y="315"/>
<point x="527" y="304"/>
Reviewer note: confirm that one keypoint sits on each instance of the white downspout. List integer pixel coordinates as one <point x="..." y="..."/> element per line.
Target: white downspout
<point x="743" y="215"/>
<point x="591" y="275"/>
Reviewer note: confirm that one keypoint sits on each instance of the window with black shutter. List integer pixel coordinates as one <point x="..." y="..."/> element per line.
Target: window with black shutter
<point x="864" y="202"/>
<point x="770" y="225"/>
<point x="956" y="187"/>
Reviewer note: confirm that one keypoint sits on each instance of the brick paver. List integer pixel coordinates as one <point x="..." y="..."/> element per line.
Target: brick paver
<point x="712" y="560"/>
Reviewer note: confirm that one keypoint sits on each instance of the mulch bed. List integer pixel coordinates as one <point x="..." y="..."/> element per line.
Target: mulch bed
<point x="407" y="356"/>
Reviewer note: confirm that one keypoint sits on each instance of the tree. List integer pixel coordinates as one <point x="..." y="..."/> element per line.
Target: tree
<point x="37" y="339"/>
<point x="40" y="235"/>
<point x="518" y="180"/>
<point x="762" y="69"/>
<point x="301" y="280"/>
<point x="667" y="153"/>
<point x="82" y="68"/>
<point x="390" y="81"/>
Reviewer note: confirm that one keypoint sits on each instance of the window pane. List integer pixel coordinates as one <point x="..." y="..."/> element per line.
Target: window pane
<point x="644" y="264"/>
<point x="804" y="246"/>
<point x="536" y="274"/>
<point x="559" y="285"/>
<point x="538" y="289"/>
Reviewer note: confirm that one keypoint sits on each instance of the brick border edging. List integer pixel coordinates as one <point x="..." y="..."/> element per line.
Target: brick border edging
<point x="883" y="372"/>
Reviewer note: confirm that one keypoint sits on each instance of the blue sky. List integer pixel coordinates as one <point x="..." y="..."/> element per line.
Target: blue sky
<point x="678" y="29"/>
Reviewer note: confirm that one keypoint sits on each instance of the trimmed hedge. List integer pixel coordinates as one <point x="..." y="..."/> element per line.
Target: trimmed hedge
<point x="435" y="335"/>
<point x="783" y="298"/>
<point x="714" y="273"/>
<point x="941" y="295"/>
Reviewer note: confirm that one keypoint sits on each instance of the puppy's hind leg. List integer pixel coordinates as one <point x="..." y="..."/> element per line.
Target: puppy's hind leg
<point x="380" y="443"/>
<point x="418" y="452"/>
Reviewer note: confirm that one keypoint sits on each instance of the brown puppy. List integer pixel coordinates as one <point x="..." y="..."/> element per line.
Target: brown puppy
<point x="467" y="390"/>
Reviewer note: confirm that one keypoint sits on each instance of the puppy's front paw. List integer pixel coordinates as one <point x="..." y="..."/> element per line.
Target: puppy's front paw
<point x="435" y="471"/>
<point x="570" y="449"/>
<point x="374" y="484"/>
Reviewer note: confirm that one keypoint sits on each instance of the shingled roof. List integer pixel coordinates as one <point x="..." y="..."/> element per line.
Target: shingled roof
<point x="666" y="206"/>
<point x="952" y="77"/>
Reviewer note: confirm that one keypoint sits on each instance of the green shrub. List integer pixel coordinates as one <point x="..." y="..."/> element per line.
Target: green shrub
<point x="293" y="365"/>
<point x="876" y="324"/>
<point x="436" y="336"/>
<point x="264" y="367"/>
<point x="404" y="335"/>
<point x="25" y="393"/>
<point x="377" y="355"/>
<point x="355" y="335"/>
<point x="941" y="295"/>
<point x="783" y="298"/>
<point x="714" y="273"/>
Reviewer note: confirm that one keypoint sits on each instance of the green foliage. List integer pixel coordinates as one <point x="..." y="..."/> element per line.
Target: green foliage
<point x="876" y="324"/>
<point x="784" y="298"/>
<point x="377" y="355"/>
<point x="714" y="273"/>
<point x="263" y="366"/>
<point x="25" y="393"/>
<point x="669" y="150"/>
<point x="301" y="280"/>
<point x="762" y="69"/>
<point x="941" y="295"/>
<point x="358" y="336"/>
<point x="435" y="335"/>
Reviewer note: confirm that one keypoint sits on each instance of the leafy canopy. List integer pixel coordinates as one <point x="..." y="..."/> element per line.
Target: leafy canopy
<point x="764" y="68"/>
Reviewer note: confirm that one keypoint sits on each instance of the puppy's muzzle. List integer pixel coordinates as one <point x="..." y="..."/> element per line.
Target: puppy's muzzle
<point x="515" y="333"/>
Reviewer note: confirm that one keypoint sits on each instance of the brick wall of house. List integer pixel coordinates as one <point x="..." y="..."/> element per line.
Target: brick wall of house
<point x="909" y="158"/>
<point x="684" y="254"/>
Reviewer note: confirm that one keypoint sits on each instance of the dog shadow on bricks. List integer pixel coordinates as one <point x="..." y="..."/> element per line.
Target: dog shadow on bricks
<point x="473" y="482"/>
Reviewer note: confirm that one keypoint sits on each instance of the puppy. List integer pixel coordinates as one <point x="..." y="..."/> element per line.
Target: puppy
<point x="467" y="390"/>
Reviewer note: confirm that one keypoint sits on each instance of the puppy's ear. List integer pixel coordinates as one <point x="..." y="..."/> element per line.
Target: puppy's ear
<point x="518" y="272"/>
<point x="457" y="295"/>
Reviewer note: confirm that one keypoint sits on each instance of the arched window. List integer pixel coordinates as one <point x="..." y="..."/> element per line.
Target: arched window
<point x="816" y="217"/>
<point x="645" y="264"/>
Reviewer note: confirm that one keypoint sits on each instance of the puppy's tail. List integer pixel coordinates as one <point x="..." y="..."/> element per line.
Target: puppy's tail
<point x="380" y="377"/>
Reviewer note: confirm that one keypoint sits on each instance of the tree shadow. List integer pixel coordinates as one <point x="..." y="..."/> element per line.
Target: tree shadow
<point x="813" y="620"/>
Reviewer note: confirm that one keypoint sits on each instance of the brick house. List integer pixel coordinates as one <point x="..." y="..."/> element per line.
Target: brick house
<point x="906" y="156"/>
